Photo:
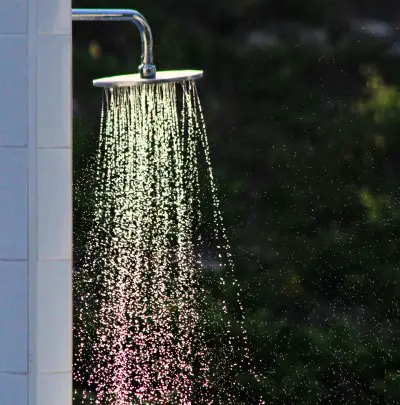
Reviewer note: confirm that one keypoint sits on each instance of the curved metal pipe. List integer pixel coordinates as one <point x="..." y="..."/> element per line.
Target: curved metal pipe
<point x="147" y="69"/>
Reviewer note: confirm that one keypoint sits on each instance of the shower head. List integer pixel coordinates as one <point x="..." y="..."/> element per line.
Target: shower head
<point x="147" y="71"/>
<point x="167" y="76"/>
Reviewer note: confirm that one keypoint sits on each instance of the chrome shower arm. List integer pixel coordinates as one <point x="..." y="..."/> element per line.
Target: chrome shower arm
<point x="147" y="68"/>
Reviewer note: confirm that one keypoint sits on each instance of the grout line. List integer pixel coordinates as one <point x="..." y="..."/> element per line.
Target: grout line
<point x="63" y="260"/>
<point x="32" y="129"/>
<point x="18" y="147"/>
<point x="55" y="33"/>
<point x="13" y="372"/>
<point x="55" y="372"/>
<point x="54" y="147"/>
<point x="13" y="35"/>
<point x="13" y="260"/>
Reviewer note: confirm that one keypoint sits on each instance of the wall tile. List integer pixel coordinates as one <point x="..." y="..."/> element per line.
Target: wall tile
<point x="13" y="16"/>
<point x="13" y="317"/>
<point x="54" y="316"/>
<point x="54" y="91"/>
<point x="13" y="203"/>
<point x="60" y="392"/>
<point x="13" y="389"/>
<point x="54" y="16"/>
<point x="14" y="91"/>
<point x="54" y="204"/>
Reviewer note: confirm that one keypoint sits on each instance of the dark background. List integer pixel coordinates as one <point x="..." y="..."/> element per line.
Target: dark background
<point x="302" y="105"/>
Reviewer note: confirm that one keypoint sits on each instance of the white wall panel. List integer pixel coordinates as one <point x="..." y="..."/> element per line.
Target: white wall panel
<point x="14" y="317"/>
<point x="60" y="389"/>
<point x="13" y="203"/>
<point x="13" y="16"/>
<point x="54" y="204"/>
<point x="35" y="202"/>
<point x="53" y="17"/>
<point x="54" y="328"/>
<point x="54" y="91"/>
<point x="14" y="389"/>
<point x="14" y="90"/>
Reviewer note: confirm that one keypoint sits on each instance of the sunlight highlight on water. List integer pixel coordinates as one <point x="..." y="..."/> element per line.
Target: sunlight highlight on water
<point x="140" y="298"/>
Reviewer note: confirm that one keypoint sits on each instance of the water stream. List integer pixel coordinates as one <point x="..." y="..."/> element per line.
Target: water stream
<point x="142" y="308"/>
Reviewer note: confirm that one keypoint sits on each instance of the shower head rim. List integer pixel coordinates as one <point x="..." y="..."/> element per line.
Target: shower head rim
<point x="166" y="76"/>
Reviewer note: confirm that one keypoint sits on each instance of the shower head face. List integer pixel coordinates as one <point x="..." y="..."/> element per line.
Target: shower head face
<point x="168" y="76"/>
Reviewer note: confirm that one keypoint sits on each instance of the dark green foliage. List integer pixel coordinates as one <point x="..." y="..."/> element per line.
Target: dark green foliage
<point x="306" y="152"/>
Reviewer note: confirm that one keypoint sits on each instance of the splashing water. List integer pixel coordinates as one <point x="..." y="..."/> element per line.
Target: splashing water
<point x="141" y="321"/>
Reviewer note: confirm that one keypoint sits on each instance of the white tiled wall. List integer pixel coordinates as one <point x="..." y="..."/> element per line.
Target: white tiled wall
<point x="14" y="389"/>
<point x="52" y="17"/>
<point x="54" y="198"/>
<point x="54" y="127"/>
<point x="60" y="394"/>
<point x="13" y="16"/>
<point x="14" y="89"/>
<point x="54" y="338"/>
<point x="13" y="203"/>
<point x="14" y="317"/>
<point x="35" y="202"/>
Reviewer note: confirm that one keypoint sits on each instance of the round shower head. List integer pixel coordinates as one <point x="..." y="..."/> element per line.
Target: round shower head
<point x="161" y="77"/>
